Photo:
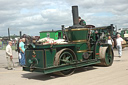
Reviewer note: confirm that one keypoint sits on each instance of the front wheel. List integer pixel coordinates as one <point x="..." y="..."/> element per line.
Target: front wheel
<point x="106" y="55"/>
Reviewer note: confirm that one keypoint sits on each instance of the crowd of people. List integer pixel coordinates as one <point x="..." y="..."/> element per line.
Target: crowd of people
<point x="21" y="53"/>
<point x="119" y="42"/>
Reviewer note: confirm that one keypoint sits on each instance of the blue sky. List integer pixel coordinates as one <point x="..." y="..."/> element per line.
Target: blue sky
<point x="33" y="16"/>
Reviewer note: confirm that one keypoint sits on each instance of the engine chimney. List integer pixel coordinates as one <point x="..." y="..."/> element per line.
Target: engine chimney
<point x="75" y="15"/>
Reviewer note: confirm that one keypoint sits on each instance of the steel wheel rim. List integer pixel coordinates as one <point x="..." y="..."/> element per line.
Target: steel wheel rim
<point x="108" y="57"/>
<point x="66" y="58"/>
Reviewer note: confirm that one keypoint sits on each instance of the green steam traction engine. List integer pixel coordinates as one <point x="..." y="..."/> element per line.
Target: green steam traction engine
<point x="86" y="46"/>
<point x="124" y="35"/>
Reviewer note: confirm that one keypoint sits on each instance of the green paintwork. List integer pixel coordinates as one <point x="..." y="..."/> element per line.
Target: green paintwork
<point x="77" y="35"/>
<point x="51" y="34"/>
<point x="49" y="56"/>
<point x="46" y="56"/>
<point x="124" y="32"/>
<point x="97" y="50"/>
<point x="63" y="67"/>
<point x="40" y="58"/>
<point x="80" y="47"/>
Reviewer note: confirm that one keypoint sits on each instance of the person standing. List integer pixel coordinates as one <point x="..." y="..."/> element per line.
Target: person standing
<point x="110" y="41"/>
<point x="22" y="52"/>
<point x="18" y="50"/>
<point x="9" y="55"/>
<point x="119" y="41"/>
<point x="82" y="22"/>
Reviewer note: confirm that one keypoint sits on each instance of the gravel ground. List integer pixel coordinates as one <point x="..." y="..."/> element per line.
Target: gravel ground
<point x="117" y="74"/>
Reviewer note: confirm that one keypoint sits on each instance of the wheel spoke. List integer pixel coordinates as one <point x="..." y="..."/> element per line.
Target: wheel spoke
<point x="64" y="56"/>
<point x="68" y="57"/>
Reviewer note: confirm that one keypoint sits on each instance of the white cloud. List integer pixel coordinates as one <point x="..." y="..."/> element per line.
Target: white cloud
<point x="33" y="16"/>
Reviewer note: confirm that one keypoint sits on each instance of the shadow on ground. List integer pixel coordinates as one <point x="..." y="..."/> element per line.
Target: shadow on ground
<point x="120" y="60"/>
<point x="40" y="76"/>
<point x="116" y="56"/>
<point x="16" y="65"/>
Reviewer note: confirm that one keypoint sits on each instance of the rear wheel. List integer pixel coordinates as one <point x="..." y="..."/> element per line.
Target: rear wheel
<point x="106" y="55"/>
<point x="64" y="57"/>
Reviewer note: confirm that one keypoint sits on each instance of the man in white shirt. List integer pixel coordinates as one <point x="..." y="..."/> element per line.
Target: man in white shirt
<point x="9" y="55"/>
<point x="119" y="42"/>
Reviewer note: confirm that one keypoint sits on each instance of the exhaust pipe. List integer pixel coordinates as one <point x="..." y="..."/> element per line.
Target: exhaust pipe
<point x="75" y="15"/>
